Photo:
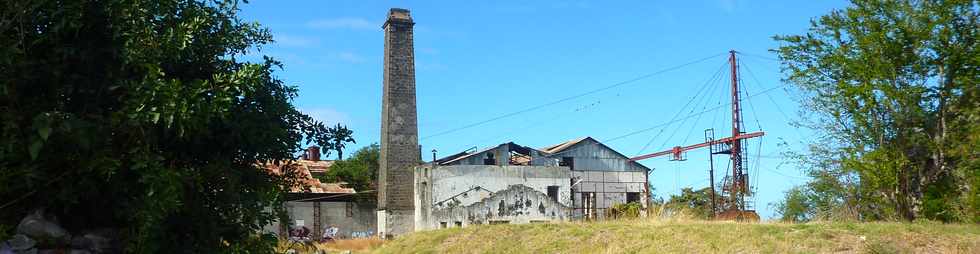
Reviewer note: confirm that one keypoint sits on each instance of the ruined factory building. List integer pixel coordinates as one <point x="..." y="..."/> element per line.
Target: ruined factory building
<point x="315" y="207"/>
<point x="510" y="183"/>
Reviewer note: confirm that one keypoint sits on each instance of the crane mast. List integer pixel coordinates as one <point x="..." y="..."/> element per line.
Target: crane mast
<point x="736" y="184"/>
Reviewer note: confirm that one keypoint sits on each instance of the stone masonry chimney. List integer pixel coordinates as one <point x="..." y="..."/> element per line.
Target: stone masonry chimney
<point x="399" y="128"/>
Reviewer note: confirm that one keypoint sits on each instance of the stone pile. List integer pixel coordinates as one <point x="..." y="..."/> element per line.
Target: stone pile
<point x="38" y="233"/>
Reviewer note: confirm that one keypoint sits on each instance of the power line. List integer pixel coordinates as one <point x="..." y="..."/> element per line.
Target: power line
<point x="688" y="116"/>
<point x="758" y="56"/>
<point x="570" y="97"/>
<point x="703" y="87"/>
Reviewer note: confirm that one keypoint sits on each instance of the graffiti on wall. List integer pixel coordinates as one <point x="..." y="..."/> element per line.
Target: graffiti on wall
<point x="517" y="203"/>
<point x="362" y="234"/>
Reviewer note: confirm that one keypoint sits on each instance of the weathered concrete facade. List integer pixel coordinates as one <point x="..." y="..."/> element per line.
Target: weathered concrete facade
<point x="399" y="127"/>
<point x="603" y="177"/>
<point x="352" y="219"/>
<point x="510" y="183"/>
<point x="462" y="195"/>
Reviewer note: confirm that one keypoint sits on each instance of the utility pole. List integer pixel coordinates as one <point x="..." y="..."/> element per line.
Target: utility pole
<point x="709" y="135"/>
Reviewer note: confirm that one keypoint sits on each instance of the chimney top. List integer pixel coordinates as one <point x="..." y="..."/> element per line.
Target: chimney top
<point x="313" y="153"/>
<point x="398" y="16"/>
<point x="399" y="13"/>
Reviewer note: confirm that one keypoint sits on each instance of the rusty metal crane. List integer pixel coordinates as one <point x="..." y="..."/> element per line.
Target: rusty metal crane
<point x="735" y="185"/>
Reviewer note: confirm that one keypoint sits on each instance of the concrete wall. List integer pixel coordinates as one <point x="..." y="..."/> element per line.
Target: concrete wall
<point x="610" y="188"/>
<point x="464" y="193"/>
<point x="605" y="173"/>
<point x="353" y="219"/>
<point x="516" y="204"/>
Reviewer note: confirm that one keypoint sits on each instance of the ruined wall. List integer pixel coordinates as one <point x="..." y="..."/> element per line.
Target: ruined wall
<point x="462" y="193"/>
<point x="399" y="127"/>
<point x="502" y="155"/>
<point x="609" y="187"/>
<point x="353" y="219"/>
<point x="516" y="204"/>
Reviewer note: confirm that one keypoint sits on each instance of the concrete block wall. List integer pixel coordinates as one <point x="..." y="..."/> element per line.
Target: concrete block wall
<point x="610" y="188"/>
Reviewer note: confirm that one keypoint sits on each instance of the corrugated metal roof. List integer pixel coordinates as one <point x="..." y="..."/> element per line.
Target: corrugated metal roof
<point x="474" y="153"/>
<point x="562" y="146"/>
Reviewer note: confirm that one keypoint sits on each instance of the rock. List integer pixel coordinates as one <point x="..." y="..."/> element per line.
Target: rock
<point x="77" y="251"/>
<point x="21" y="242"/>
<point x="5" y="248"/>
<point x="93" y="241"/>
<point x="42" y="230"/>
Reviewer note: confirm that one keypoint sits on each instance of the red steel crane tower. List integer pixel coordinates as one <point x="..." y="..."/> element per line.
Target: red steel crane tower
<point x="736" y="185"/>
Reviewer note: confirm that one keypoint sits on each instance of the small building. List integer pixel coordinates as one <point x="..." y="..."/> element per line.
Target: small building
<point x="511" y="183"/>
<point x="314" y="206"/>
<point x="602" y="177"/>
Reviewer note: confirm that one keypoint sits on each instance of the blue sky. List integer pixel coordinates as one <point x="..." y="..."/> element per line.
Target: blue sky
<point x="476" y="60"/>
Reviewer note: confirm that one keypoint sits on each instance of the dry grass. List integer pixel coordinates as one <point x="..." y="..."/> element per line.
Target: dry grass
<point x="693" y="236"/>
<point x="675" y="233"/>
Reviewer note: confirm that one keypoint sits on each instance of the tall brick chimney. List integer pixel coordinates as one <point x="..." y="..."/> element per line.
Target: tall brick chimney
<point x="399" y="128"/>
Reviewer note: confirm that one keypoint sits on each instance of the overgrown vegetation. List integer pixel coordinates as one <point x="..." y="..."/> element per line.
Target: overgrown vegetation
<point x="138" y="116"/>
<point x="891" y="89"/>
<point x="624" y="211"/>
<point x="359" y="171"/>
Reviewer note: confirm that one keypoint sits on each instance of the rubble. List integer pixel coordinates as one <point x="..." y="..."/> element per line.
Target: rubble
<point x="40" y="233"/>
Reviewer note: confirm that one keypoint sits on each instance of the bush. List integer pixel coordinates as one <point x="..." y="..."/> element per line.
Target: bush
<point x="624" y="211"/>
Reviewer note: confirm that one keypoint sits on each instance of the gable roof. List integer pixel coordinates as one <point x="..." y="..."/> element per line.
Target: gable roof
<point x="463" y="155"/>
<point x="304" y="176"/>
<point x="564" y="145"/>
<point x="567" y="145"/>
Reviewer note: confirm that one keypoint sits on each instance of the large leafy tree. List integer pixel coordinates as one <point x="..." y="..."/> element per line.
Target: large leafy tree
<point x="892" y="86"/>
<point x="359" y="171"/>
<point x="139" y="116"/>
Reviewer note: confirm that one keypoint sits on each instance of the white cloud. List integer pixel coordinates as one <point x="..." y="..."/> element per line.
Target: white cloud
<point x="328" y="116"/>
<point x="295" y="41"/>
<point x="350" y="57"/>
<point x="343" y="23"/>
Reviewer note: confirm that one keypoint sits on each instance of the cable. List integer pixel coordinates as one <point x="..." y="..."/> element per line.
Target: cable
<point x="755" y="113"/>
<point x="686" y="117"/>
<point x="757" y="56"/>
<point x="570" y="97"/>
<point x="703" y="87"/>
<point x="778" y="108"/>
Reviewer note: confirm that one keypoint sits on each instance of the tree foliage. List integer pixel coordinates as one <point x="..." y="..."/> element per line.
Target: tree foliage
<point x="359" y="171"/>
<point x="892" y="88"/>
<point x="339" y="137"/>
<point x="139" y="117"/>
<point x="697" y="202"/>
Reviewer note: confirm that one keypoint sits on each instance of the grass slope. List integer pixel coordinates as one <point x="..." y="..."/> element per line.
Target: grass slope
<point x="643" y="236"/>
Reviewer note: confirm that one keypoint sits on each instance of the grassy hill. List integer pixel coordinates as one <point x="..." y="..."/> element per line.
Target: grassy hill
<point x="650" y="236"/>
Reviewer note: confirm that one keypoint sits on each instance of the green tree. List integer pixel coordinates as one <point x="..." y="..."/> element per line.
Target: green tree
<point x="359" y="171"/>
<point x="696" y="201"/>
<point x="339" y="137"/>
<point x="892" y="88"/>
<point x="139" y="116"/>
